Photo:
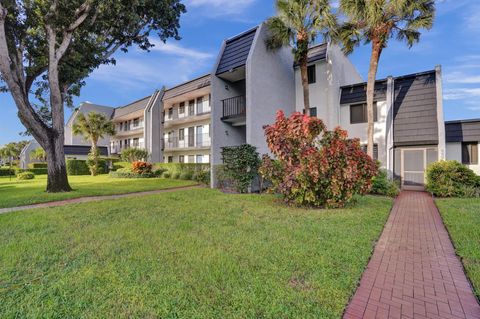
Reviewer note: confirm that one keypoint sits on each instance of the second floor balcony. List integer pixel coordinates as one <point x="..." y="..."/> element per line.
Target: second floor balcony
<point x="187" y="142"/>
<point x="234" y="109"/>
<point x="117" y="149"/>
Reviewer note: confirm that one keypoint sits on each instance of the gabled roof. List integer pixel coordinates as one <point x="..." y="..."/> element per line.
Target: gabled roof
<point x="236" y="51"/>
<point x="132" y="107"/>
<point x="189" y="86"/>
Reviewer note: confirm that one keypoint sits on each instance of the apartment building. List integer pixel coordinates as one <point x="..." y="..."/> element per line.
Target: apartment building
<point x="186" y="122"/>
<point x="462" y="142"/>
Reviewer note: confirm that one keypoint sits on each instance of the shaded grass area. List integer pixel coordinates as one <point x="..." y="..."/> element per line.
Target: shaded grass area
<point x="187" y="254"/>
<point x="18" y="193"/>
<point x="462" y="219"/>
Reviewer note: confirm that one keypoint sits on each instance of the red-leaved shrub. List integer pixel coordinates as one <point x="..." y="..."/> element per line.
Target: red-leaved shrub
<point x="314" y="166"/>
<point x="141" y="167"/>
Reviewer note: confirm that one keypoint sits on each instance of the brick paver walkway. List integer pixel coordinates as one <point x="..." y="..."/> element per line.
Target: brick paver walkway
<point x="93" y="199"/>
<point x="414" y="271"/>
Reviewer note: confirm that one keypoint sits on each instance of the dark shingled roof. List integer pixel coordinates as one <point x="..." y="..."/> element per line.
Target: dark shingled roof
<point x="83" y="150"/>
<point x="189" y="86"/>
<point x="316" y="53"/>
<point x="236" y="51"/>
<point x="462" y="131"/>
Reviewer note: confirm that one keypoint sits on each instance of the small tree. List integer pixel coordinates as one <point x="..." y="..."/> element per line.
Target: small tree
<point x="49" y="47"/>
<point x="376" y="22"/>
<point x="297" y="24"/>
<point x="314" y="166"/>
<point x="39" y="154"/>
<point x="93" y="127"/>
<point x="133" y="154"/>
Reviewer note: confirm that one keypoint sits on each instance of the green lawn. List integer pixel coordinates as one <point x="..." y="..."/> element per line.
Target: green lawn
<point x="462" y="218"/>
<point x="187" y="254"/>
<point x="18" y="193"/>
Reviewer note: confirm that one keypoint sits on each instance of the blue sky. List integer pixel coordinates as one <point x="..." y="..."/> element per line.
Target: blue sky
<point x="454" y="43"/>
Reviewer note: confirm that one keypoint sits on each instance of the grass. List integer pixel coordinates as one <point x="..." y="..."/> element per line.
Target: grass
<point x="462" y="219"/>
<point x="19" y="193"/>
<point x="187" y="254"/>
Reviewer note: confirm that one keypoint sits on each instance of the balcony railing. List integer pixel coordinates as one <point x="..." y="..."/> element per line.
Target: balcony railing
<point x="117" y="149"/>
<point x="234" y="107"/>
<point x="188" y="141"/>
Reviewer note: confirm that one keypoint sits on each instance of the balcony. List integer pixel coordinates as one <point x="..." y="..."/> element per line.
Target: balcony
<point x="186" y="117"/>
<point x="234" y="110"/>
<point x="133" y="130"/>
<point x="117" y="149"/>
<point x="187" y="142"/>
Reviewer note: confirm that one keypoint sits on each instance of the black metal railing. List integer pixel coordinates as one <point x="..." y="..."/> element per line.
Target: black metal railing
<point x="234" y="106"/>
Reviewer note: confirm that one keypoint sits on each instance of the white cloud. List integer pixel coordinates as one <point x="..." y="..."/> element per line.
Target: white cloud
<point x="472" y="19"/>
<point x="461" y="94"/>
<point x="174" y="49"/>
<point x="166" y="64"/>
<point x="219" y="7"/>
<point x="462" y="78"/>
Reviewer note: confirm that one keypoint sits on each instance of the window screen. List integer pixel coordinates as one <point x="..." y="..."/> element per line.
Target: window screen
<point x="358" y="113"/>
<point x="375" y="150"/>
<point x="470" y="153"/>
<point x="312" y="77"/>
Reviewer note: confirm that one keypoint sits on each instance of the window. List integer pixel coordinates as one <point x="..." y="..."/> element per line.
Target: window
<point x="181" y="108"/>
<point x="181" y="159"/>
<point x="136" y="142"/>
<point x="199" y="158"/>
<point x="191" y="158"/>
<point x="312" y="111"/>
<point x="312" y="76"/>
<point x="170" y="113"/>
<point x="200" y="105"/>
<point x="191" y="107"/>
<point x="375" y="150"/>
<point x="170" y="159"/>
<point x="181" y="134"/>
<point x="358" y="113"/>
<point x="470" y="153"/>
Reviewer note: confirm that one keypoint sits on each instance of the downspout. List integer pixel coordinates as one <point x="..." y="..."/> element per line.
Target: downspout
<point x="389" y="135"/>
<point x="440" y="119"/>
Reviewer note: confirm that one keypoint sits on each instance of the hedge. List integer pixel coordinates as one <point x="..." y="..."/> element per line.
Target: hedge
<point x="36" y="171"/>
<point x="37" y="165"/>
<point x="25" y="176"/>
<point x="77" y="167"/>
<point x="174" y="168"/>
<point x="7" y="172"/>
<point x="452" y="179"/>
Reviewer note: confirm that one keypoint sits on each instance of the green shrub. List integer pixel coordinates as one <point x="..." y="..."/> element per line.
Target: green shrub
<point x="25" y="176"/>
<point x="202" y="177"/>
<point x="381" y="185"/>
<point x="77" y="167"/>
<point x="186" y="175"/>
<point x="134" y="154"/>
<point x="7" y="172"/>
<point x="36" y="171"/>
<point x="129" y="173"/>
<point x="176" y="175"/>
<point x="452" y="179"/>
<point x="159" y="172"/>
<point x="37" y="165"/>
<point x="167" y="175"/>
<point x="119" y="165"/>
<point x="241" y="165"/>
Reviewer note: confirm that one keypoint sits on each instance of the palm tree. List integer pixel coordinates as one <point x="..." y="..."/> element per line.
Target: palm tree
<point x="93" y="127"/>
<point x="297" y="24"/>
<point x="376" y="22"/>
<point x="39" y="154"/>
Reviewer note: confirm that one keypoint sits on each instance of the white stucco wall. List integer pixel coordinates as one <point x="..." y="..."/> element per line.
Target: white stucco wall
<point x="331" y="74"/>
<point x="454" y="153"/>
<point x="360" y="130"/>
<point x="270" y="87"/>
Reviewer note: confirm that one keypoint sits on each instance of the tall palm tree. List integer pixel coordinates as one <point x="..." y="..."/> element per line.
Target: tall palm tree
<point x="376" y="22"/>
<point x="297" y="24"/>
<point x="93" y="127"/>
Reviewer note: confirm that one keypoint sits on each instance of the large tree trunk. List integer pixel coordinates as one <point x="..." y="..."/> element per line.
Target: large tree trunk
<point x="372" y="74"/>
<point x="57" y="169"/>
<point x="306" y="91"/>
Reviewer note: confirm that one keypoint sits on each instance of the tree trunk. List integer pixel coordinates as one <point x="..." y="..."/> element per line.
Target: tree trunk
<point x="306" y="91"/>
<point x="57" y="169"/>
<point x="372" y="74"/>
<point x="94" y="157"/>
